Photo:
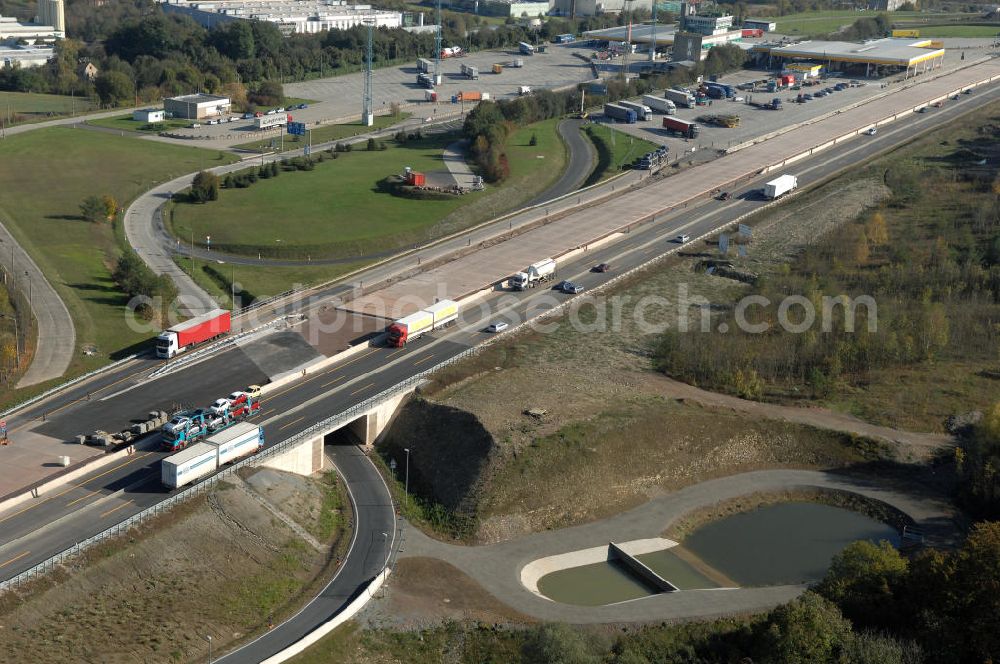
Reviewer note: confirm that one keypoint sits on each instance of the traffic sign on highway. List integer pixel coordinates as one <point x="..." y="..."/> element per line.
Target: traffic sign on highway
<point x="297" y="128"/>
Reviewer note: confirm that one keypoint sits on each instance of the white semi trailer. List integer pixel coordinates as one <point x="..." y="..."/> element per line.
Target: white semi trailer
<point x="659" y="104"/>
<point x="780" y="186"/>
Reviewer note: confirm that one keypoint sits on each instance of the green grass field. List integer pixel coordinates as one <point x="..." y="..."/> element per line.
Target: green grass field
<point x="332" y="211"/>
<point x="126" y="123"/>
<point x="19" y="107"/>
<point x="322" y="134"/>
<point x="319" y="213"/>
<point x="823" y="22"/>
<point x="959" y="30"/>
<point x="615" y="149"/>
<point x="46" y="173"/>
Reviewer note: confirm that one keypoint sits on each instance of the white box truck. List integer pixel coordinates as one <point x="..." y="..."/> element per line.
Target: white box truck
<point x="660" y="105"/>
<point x="780" y="186"/>
<point x="193" y="463"/>
<point x="534" y="274"/>
<point x="237" y="441"/>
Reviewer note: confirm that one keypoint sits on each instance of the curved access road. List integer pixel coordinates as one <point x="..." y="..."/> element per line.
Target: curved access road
<point x="374" y="521"/>
<point x="580" y="160"/>
<point x="497" y="568"/>
<point x="56" y="339"/>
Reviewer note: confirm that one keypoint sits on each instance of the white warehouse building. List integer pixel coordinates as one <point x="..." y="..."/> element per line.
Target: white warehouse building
<point x="291" y="16"/>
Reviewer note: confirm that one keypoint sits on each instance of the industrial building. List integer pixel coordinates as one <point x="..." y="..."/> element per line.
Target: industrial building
<point x="871" y="57"/>
<point x="514" y="8"/>
<point x="764" y="24"/>
<point x="291" y="16"/>
<point x="25" y="56"/>
<point x="197" y="106"/>
<point x="595" y="7"/>
<point x="641" y="34"/>
<point x="707" y="25"/>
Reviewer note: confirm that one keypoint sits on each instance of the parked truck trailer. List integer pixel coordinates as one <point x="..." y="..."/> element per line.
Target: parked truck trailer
<point x="425" y="65"/>
<point x="642" y="112"/>
<point x="178" y="338"/>
<point x="534" y="274"/>
<point x="470" y="72"/>
<point x="620" y="113"/>
<point x="659" y="104"/>
<point x="685" y="128"/>
<point x="680" y="97"/>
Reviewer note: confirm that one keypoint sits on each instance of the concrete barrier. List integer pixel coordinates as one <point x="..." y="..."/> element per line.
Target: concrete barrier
<point x="349" y="612"/>
<point x="641" y="570"/>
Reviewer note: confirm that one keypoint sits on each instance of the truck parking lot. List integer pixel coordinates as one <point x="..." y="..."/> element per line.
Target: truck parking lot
<point x="755" y="122"/>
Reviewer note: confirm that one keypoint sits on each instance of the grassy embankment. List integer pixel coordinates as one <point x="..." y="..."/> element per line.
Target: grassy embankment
<point x="21" y="107"/>
<point x="967" y="31"/>
<point x="126" y="123"/>
<point x="46" y="173"/>
<point x="928" y="258"/>
<point x="827" y="21"/>
<point x="319" y="211"/>
<point x="616" y="150"/>
<point x="321" y="134"/>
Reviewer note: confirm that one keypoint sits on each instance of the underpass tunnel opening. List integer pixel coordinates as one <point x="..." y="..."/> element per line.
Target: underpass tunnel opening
<point x="352" y="433"/>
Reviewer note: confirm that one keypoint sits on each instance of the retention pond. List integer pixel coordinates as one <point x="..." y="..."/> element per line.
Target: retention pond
<point x="786" y="543"/>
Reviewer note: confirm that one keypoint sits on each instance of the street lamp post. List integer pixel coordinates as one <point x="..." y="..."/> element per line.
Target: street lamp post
<point x="208" y="637"/>
<point x="406" y="486"/>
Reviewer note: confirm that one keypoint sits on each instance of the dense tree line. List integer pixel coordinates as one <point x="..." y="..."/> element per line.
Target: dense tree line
<point x="977" y="462"/>
<point x="150" y="294"/>
<point x="144" y="54"/>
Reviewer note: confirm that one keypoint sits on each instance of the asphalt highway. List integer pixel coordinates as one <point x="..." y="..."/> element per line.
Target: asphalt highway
<point x="34" y="531"/>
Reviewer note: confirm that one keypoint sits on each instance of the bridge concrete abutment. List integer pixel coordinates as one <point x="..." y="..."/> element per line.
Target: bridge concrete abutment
<point x="370" y="426"/>
<point x="305" y="458"/>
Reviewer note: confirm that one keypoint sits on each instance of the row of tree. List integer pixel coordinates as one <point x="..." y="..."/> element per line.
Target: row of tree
<point x="144" y="54"/>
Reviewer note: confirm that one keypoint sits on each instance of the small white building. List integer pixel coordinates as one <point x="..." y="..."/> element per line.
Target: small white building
<point x="149" y="115"/>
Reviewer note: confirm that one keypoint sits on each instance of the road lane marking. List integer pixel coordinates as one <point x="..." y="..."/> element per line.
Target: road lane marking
<point x="89" y="495"/>
<point x="291" y="423"/>
<point x="80" y="486"/>
<point x="421" y="361"/>
<point x="115" y="509"/>
<point x="270" y="410"/>
<point x="335" y="380"/>
<point x="300" y="383"/>
<point x="362" y="389"/>
<point x="14" y="559"/>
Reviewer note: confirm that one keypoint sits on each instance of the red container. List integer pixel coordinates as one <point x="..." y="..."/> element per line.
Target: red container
<point x="202" y="328"/>
<point x="418" y="179"/>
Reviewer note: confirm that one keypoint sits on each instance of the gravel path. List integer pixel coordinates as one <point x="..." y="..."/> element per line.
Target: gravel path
<point x="497" y="567"/>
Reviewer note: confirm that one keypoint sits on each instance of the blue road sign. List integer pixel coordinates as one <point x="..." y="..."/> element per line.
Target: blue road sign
<point x="297" y="128"/>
